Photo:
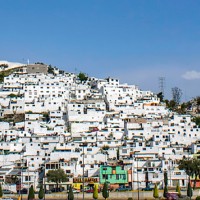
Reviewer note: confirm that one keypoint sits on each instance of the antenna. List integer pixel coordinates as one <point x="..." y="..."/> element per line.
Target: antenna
<point x="162" y="85"/>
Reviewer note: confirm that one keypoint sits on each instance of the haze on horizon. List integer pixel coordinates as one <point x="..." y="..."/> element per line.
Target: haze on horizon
<point x="135" y="41"/>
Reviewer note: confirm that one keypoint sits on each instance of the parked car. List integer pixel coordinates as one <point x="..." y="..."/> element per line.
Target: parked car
<point x="57" y="189"/>
<point x="91" y="190"/>
<point x="48" y="192"/>
<point x="172" y="195"/>
<point x="85" y="189"/>
<point x="23" y="191"/>
<point x="123" y="188"/>
<point x="5" y="191"/>
<point x="147" y="189"/>
<point x="75" y="191"/>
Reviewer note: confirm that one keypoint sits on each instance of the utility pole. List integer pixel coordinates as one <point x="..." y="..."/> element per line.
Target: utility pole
<point x="162" y="85"/>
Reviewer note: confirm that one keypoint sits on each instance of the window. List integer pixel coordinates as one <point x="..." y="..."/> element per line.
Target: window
<point x="124" y="150"/>
<point x="27" y="178"/>
<point x="155" y="175"/>
<point x="105" y="176"/>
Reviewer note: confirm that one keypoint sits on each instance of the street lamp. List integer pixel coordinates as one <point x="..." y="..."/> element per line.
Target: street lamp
<point x="105" y="164"/>
<point x="21" y="186"/>
<point x="83" y="145"/>
<point x="136" y="159"/>
<point x="138" y="180"/>
<point x="106" y="156"/>
<point x="44" y="172"/>
<point x="44" y="187"/>
<point x="170" y="171"/>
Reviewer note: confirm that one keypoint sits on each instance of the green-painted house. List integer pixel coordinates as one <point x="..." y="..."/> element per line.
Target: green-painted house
<point x="115" y="175"/>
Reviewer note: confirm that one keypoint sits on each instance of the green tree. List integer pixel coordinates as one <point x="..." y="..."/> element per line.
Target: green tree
<point x="165" y="191"/>
<point x="197" y="100"/>
<point x="31" y="194"/>
<point x="197" y="121"/>
<point x="166" y="184"/>
<point x="191" y="168"/>
<point x="118" y="153"/>
<point x="155" y="192"/>
<point x="95" y="192"/>
<point x="171" y="104"/>
<point x="70" y="194"/>
<point x="187" y="166"/>
<point x="178" y="189"/>
<point x="2" y="75"/>
<point x="196" y="170"/>
<point x="12" y="95"/>
<point x="176" y="95"/>
<point x="165" y="178"/>
<point x="105" y="192"/>
<point x="41" y="193"/>
<point x="57" y="176"/>
<point x="1" y="192"/>
<point x="50" y="70"/>
<point x="160" y="96"/>
<point x="189" y="191"/>
<point x="82" y="77"/>
<point x="105" y="147"/>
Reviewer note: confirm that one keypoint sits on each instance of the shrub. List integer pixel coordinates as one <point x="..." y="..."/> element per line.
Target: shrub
<point x="95" y="192"/>
<point x="165" y="191"/>
<point x="70" y="194"/>
<point x="105" y="192"/>
<point x="31" y="194"/>
<point x="178" y="189"/>
<point x="1" y="192"/>
<point x="189" y="190"/>
<point x="155" y="192"/>
<point x="41" y="193"/>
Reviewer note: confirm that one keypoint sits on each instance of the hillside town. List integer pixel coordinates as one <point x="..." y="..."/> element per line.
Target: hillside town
<point x="96" y="130"/>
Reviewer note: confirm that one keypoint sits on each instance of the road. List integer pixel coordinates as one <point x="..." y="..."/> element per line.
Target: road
<point x="143" y="195"/>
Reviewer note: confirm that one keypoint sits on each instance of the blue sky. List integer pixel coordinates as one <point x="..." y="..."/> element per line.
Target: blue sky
<point x="135" y="41"/>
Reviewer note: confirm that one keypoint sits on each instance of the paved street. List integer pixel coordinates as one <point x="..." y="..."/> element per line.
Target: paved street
<point x="112" y="195"/>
